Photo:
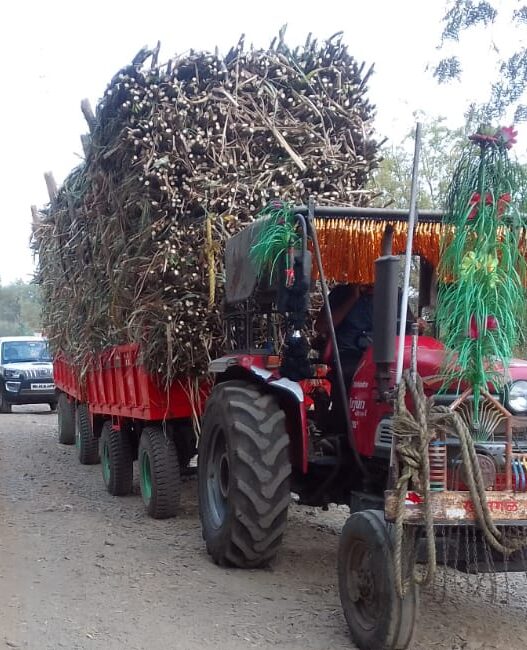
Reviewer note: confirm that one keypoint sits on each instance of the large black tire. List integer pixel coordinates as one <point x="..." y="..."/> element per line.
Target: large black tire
<point x="159" y="476"/>
<point x="116" y="460"/>
<point x="377" y="618"/>
<point x="243" y="475"/>
<point x="66" y="420"/>
<point x="5" y="406"/>
<point x="53" y="406"/>
<point x="86" y="443"/>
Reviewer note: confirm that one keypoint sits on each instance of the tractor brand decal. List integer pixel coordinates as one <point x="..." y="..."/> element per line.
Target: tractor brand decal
<point x="494" y="506"/>
<point x="361" y="384"/>
<point x="358" y="406"/>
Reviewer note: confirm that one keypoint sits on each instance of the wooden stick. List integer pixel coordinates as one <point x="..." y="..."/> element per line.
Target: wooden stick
<point x="88" y="113"/>
<point x="51" y="185"/>
<point x="34" y="216"/>
<point x="86" y="143"/>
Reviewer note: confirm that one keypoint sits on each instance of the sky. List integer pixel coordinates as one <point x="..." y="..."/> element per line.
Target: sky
<point x="55" y="53"/>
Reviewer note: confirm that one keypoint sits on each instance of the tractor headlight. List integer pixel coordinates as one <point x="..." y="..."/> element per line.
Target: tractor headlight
<point x="517" y="398"/>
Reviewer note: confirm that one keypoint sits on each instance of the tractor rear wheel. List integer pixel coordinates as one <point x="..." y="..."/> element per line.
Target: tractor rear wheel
<point x="159" y="477"/>
<point x="243" y="475"/>
<point x="376" y="616"/>
<point x="116" y="460"/>
<point x="86" y="443"/>
<point x="66" y="420"/>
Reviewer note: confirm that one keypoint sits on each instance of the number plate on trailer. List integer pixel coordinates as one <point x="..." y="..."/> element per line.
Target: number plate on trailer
<point x="457" y="507"/>
<point x="42" y="386"/>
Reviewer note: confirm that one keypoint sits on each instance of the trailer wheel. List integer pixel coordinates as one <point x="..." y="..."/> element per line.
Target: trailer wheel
<point x="243" y="475"/>
<point x="376" y="616"/>
<point x="86" y="443"/>
<point x="159" y="476"/>
<point x="66" y="420"/>
<point x="5" y="406"/>
<point x="116" y="460"/>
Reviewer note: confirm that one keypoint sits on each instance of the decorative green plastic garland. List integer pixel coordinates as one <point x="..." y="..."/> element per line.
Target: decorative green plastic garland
<point x="482" y="271"/>
<point x="277" y="241"/>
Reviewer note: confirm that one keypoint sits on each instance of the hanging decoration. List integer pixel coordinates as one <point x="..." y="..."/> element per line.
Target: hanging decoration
<point x="481" y="297"/>
<point x="276" y="243"/>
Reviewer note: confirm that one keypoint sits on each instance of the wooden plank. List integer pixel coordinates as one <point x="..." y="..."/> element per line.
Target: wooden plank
<point x="35" y="218"/>
<point x="88" y="113"/>
<point x="457" y="507"/>
<point x="86" y="143"/>
<point x="51" y="185"/>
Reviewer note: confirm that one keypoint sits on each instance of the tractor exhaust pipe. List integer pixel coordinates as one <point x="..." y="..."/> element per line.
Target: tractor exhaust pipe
<point x="385" y="297"/>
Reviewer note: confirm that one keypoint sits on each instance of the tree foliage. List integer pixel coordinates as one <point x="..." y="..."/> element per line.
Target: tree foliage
<point x="19" y="309"/>
<point x="440" y="147"/>
<point x="509" y="89"/>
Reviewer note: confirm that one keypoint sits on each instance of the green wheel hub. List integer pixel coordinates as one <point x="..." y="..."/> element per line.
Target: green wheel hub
<point x="146" y="477"/>
<point x="105" y="463"/>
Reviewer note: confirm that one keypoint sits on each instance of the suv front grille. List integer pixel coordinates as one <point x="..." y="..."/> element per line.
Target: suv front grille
<point x="38" y="373"/>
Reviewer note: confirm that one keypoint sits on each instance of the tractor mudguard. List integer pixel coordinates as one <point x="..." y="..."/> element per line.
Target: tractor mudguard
<point x="289" y="393"/>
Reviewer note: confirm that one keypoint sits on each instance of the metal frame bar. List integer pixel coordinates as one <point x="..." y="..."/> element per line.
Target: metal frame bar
<point x="379" y="214"/>
<point x="333" y="337"/>
<point x="508" y="428"/>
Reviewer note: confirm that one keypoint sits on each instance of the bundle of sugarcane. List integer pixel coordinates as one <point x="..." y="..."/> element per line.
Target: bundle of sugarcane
<point x="180" y="157"/>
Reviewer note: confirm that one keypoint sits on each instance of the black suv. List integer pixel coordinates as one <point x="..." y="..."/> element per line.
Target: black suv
<point x="26" y="372"/>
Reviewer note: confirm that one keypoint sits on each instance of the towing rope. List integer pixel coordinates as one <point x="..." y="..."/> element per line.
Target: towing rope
<point x="413" y="435"/>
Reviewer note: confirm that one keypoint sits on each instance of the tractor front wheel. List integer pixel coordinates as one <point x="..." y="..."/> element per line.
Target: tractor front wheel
<point x="377" y="617"/>
<point x="116" y="460"/>
<point x="243" y="475"/>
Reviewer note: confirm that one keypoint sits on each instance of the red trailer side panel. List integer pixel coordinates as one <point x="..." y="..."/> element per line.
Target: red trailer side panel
<point x="116" y="384"/>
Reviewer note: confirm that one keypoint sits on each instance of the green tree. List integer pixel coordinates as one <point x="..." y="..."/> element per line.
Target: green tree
<point x="440" y="148"/>
<point x="509" y="89"/>
<point x="19" y="309"/>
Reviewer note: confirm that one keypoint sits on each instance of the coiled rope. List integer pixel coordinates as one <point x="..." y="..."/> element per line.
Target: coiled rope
<point x="413" y="434"/>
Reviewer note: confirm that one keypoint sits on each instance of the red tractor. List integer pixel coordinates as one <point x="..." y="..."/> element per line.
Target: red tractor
<point x="268" y="431"/>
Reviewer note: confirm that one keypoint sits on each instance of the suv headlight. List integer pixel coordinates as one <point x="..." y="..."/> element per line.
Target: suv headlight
<point x="517" y="398"/>
<point x="12" y="374"/>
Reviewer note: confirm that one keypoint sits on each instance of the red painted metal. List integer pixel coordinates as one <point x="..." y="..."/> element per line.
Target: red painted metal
<point x="366" y="410"/>
<point x="117" y="384"/>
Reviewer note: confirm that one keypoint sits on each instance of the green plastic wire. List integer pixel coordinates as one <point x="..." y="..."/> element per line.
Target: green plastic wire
<point x="482" y="268"/>
<point x="275" y="239"/>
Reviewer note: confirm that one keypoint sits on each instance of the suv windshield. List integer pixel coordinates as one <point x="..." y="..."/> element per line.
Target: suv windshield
<point x="15" y="351"/>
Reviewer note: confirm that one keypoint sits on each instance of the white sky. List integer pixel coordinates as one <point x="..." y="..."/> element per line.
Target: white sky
<point x="54" y="53"/>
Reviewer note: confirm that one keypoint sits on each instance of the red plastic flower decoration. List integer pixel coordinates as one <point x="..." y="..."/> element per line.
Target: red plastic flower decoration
<point x="507" y="136"/>
<point x="501" y="204"/>
<point x="490" y="324"/>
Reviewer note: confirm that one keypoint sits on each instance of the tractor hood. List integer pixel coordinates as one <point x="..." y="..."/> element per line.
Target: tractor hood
<point x="430" y="359"/>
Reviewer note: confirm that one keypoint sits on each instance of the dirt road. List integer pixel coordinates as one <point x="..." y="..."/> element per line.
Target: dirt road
<point x="80" y="569"/>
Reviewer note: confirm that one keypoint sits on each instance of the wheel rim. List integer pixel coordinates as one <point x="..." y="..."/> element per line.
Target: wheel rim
<point x="146" y="477"/>
<point x="218" y="478"/>
<point x="105" y="462"/>
<point x="362" y="586"/>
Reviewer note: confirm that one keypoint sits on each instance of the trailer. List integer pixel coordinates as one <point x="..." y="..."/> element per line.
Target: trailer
<point x="115" y="412"/>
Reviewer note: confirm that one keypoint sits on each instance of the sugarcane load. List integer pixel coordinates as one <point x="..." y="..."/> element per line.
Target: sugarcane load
<point x="180" y="156"/>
